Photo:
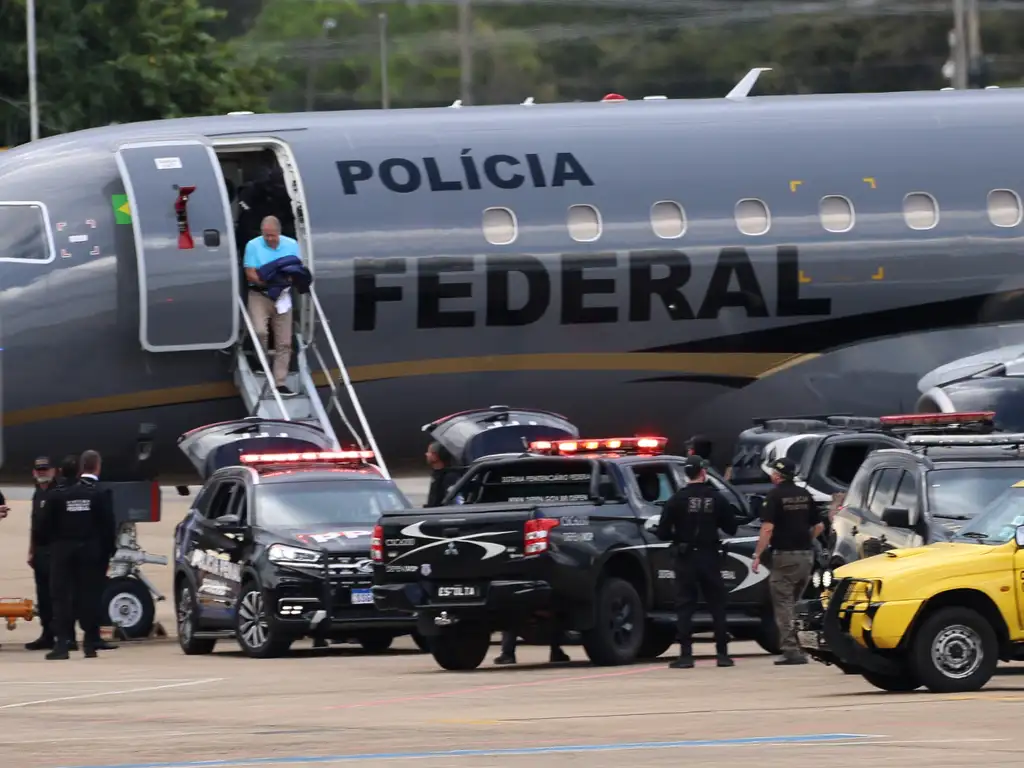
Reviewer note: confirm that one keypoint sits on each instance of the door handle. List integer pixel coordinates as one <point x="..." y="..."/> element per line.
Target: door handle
<point x="855" y="530"/>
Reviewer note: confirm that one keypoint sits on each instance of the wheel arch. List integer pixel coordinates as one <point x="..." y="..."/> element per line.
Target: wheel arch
<point x="974" y="599"/>
<point x="628" y="566"/>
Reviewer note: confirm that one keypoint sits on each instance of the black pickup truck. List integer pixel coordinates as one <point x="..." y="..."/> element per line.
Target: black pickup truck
<point x="557" y="536"/>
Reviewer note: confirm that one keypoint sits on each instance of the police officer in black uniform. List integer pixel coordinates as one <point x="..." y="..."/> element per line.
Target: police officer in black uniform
<point x="790" y="524"/>
<point x="442" y="474"/>
<point x="78" y="521"/>
<point x="39" y="554"/>
<point x="691" y="519"/>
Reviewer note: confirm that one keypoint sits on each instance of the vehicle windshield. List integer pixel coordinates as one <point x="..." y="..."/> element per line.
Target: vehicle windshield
<point x="961" y="494"/>
<point x="998" y="522"/>
<point x="325" y="502"/>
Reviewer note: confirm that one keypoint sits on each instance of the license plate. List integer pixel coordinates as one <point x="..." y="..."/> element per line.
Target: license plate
<point x="458" y="591"/>
<point x="362" y="597"/>
<point x="808" y="639"/>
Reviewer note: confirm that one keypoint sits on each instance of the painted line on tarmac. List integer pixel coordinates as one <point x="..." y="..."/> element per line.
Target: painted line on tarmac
<point x="816" y="738"/>
<point x="119" y="692"/>
<point x="497" y="687"/>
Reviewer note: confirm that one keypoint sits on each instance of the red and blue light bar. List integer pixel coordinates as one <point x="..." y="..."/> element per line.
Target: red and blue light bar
<point x="638" y="445"/>
<point x="329" y="457"/>
<point x="936" y="419"/>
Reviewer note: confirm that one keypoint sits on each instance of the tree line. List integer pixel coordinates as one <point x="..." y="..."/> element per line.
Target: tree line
<point x="116" y="61"/>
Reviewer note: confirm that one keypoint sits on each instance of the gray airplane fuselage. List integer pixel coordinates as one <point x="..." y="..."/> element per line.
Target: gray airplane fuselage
<point x="626" y="333"/>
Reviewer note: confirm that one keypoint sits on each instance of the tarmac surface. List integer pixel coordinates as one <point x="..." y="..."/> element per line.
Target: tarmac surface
<point x="148" y="705"/>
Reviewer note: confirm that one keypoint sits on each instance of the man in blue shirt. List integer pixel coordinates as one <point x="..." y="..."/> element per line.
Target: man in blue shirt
<point x="268" y="247"/>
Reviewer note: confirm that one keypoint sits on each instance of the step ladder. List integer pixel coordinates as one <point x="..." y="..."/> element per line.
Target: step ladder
<point x="262" y="398"/>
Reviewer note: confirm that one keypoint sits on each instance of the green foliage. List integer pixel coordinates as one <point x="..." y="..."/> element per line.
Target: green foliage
<point x="122" y="61"/>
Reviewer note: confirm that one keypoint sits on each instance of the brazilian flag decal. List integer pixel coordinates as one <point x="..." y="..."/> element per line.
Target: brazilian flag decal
<point x="122" y="210"/>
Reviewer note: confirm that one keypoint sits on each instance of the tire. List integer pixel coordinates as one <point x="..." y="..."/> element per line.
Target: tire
<point x="955" y="650"/>
<point x="658" y="638"/>
<point x="129" y="604"/>
<point x="767" y="635"/>
<point x="422" y="641"/>
<point x="894" y="683"/>
<point x="187" y="620"/>
<point x="376" y="642"/>
<point x="461" y="650"/>
<point x="619" y="625"/>
<point x="256" y="634"/>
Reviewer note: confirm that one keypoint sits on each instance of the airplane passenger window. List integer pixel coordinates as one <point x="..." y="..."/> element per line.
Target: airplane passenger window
<point x="920" y="210"/>
<point x="668" y="219"/>
<point x="752" y="217"/>
<point x="1004" y="208"/>
<point x="25" y="234"/>
<point x="836" y="213"/>
<point x="500" y="226"/>
<point x="584" y="223"/>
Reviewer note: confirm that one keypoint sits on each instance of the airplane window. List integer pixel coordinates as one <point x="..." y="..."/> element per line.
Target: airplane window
<point x="584" y="223"/>
<point x="752" y="217"/>
<point x="920" y="210"/>
<point x="668" y="219"/>
<point x="25" y="234"/>
<point x="1004" y="208"/>
<point x="500" y="226"/>
<point x="836" y="213"/>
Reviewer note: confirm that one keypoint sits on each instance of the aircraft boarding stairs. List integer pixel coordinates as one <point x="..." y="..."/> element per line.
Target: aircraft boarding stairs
<point x="256" y="382"/>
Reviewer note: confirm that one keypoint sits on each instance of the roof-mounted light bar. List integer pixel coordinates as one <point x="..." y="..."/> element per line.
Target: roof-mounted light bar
<point x="936" y="419"/>
<point x="647" y="446"/>
<point x="952" y="441"/>
<point x="330" y="457"/>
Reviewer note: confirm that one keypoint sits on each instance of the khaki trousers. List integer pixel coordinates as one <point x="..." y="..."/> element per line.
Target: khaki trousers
<point x="264" y="314"/>
<point x="790" y="574"/>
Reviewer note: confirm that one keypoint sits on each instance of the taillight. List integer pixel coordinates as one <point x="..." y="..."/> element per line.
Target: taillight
<point x="377" y="544"/>
<point x="535" y="535"/>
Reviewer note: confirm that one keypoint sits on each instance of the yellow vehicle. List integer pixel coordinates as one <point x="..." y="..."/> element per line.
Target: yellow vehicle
<point x="940" y="616"/>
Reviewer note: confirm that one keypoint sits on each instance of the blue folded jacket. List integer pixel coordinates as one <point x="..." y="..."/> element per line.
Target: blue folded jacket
<point x="276" y="275"/>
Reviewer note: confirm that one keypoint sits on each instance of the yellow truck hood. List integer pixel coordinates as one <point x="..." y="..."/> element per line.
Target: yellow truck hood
<point x="945" y="555"/>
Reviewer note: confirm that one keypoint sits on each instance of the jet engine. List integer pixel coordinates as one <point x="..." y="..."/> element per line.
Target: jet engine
<point x="988" y="381"/>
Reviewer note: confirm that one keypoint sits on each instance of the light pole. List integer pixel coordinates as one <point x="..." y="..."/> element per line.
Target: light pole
<point x="325" y="29"/>
<point x="465" y="52"/>
<point x="33" y="93"/>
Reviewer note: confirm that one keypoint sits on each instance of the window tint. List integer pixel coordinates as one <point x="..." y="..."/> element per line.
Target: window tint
<point x="1004" y="208"/>
<point x="222" y="499"/>
<point x="920" y="210"/>
<point x="584" y="223"/>
<point x="668" y="220"/>
<point x="836" y="213"/>
<point x="535" y="481"/>
<point x="906" y="494"/>
<point x="844" y="461"/>
<point x="752" y="217"/>
<point x="25" y="233"/>
<point x="654" y="482"/>
<point x="884" y="492"/>
<point x="500" y="226"/>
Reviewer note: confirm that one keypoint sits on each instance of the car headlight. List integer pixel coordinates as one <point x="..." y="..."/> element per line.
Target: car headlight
<point x="816" y="579"/>
<point x="282" y="553"/>
<point x="826" y="579"/>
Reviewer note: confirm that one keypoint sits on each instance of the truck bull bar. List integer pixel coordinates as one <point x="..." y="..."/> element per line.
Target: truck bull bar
<point x="836" y="629"/>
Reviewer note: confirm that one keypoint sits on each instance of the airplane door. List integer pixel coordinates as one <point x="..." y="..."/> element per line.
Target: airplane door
<point x="184" y="244"/>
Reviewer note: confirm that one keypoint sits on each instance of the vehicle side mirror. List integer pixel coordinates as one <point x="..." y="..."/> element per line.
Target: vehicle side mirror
<point x="1020" y="535"/>
<point x="755" y="501"/>
<point x="229" y="522"/>
<point x="896" y="517"/>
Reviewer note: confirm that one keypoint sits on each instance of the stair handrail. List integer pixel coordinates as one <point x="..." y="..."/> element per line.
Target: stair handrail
<point x="262" y="358"/>
<point x="334" y="395"/>
<point x="322" y="317"/>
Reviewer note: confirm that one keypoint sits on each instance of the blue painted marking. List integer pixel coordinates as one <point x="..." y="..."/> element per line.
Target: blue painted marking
<point x="321" y="759"/>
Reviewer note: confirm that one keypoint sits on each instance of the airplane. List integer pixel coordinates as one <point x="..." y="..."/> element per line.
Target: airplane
<point x="643" y="266"/>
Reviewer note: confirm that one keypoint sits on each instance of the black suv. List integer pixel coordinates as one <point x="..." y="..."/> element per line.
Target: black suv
<point x="279" y="505"/>
<point x="921" y="494"/>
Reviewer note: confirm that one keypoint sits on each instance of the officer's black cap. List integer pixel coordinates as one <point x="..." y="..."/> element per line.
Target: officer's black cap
<point x="42" y="464"/>
<point x="693" y="465"/>
<point x="784" y="467"/>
